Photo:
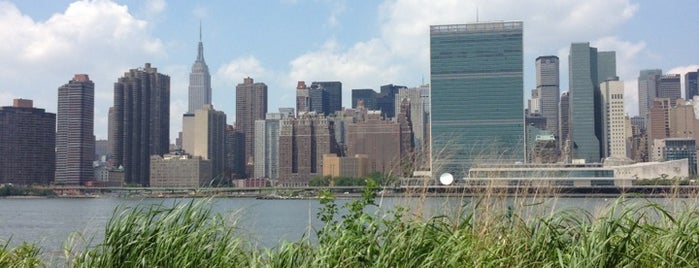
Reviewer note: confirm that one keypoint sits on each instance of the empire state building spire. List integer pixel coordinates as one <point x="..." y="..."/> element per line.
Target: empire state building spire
<point x="199" y="81"/>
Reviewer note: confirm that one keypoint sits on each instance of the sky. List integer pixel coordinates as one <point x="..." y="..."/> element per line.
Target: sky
<point x="363" y="44"/>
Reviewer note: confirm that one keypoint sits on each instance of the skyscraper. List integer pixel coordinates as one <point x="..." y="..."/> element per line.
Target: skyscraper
<point x="669" y="86"/>
<point x="614" y="119"/>
<point x="206" y="138"/>
<point x="141" y="121"/>
<point x="27" y="144"/>
<point x="199" y="81"/>
<point x="477" y="95"/>
<point x="75" y="139"/>
<point x="267" y="146"/>
<point x="647" y="90"/>
<point x="548" y="85"/>
<point x="333" y="95"/>
<point x="250" y="105"/>
<point x="303" y="141"/>
<point x="587" y="69"/>
<point x="691" y="85"/>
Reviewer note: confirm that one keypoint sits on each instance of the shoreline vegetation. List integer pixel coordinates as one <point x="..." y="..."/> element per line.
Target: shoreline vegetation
<point x="489" y="230"/>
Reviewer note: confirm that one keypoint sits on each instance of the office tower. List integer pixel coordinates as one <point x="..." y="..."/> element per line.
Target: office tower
<point x="75" y="138"/>
<point x="587" y="69"/>
<point x="302" y="143"/>
<point x="647" y="90"/>
<point x="27" y="144"/>
<point x="477" y="97"/>
<point x="250" y="105"/>
<point x="548" y="87"/>
<point x="141" y="121"/>
<point x="366" y="96"/>
<point x="669" y="86"/>
<point x="564" y="128"/>
<point x="332" y="95"/>
<point x="691" y="85"/>
<point x="199" y="81"/>
<point x="303" y="98"/>
<point x="204" y="136"/>
<point x="614" y="119"/>
<point x="658" y="121"/>
<point x="385" y="100"/>
<point x="267" y="146"/>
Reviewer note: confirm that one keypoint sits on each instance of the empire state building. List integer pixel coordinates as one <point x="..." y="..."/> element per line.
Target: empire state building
<point x="199" y="81"/>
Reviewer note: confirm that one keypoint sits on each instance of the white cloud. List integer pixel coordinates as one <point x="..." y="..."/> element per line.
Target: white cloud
<point x="155" y="6"/>
<point x="234" y="71"/>
<point x="100" y="38"/>
<point x="401" y="53"/>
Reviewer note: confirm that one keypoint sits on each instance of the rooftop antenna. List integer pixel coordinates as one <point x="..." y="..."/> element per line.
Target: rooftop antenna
<point x="477" y="14"/>
<point x="199" y="30"/>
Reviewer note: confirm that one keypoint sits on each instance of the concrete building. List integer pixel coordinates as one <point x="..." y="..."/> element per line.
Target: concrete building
<point x="75" y="138"/>
<point x="691" y="85"/>
<point x="199" y="81"/>
<point x="548" y="87"/>
<point x="302" y="143"/>
<point x="347" y="166"/>
<point x="27" y="144"/>
<point x="613" y="119"/>
<point x="587" y="68"/>
<point x="669" y="149"/>
<point x="683" y="121"/>
<point x="250" y="105"/>
<point x="179" y="170"/>
<point x="647" y="90"/>
<point x="534" y="103"/>
<point x="204" y="136"/>
<point x="476" y="100"/>
<point x="669" y="86"/>
<point x="141" y="121"/>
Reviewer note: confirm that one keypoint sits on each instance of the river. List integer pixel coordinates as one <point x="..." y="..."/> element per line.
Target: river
<point x="49" y="222"/>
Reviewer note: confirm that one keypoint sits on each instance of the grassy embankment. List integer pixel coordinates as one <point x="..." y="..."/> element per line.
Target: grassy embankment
<point x="489" y="231"/>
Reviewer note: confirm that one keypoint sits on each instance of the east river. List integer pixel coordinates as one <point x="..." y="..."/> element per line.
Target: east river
<point x="49" y="222"/>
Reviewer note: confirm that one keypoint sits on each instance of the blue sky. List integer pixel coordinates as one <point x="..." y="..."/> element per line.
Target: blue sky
<point x="364" y="44"/>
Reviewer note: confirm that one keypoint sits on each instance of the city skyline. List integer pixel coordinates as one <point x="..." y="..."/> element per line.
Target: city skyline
<point x="357" y="40"/>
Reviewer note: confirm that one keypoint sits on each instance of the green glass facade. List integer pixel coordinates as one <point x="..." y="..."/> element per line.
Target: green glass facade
<point x="477" y="95"/>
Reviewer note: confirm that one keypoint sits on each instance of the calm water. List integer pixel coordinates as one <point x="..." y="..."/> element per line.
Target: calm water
<point x="49" y="222"/>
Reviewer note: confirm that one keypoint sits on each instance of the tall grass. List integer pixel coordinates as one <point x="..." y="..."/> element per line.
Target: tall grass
<point x="487" y="231"/>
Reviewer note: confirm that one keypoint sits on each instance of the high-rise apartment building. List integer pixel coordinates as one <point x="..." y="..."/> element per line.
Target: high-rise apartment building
<point x="477" y="95"/>
<point x="27" y="144"/>
<point x="303" y="141"/>
<point x="141" y="121"/>
<point x="669" y="86"/>
<point x="75" y="138"/>
<point x="548" y="87"/>
<point x="204" y="136"/>
<point x="647" y="90"/>
<point x="250" y="105"/>
<point x="267" y="145"/>
<point x="587" y="68"/>
<point x="199" y="81"/>
<point x="613" y="119"/>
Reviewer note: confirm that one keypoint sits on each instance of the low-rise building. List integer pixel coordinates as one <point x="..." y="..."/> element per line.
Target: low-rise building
<point x="179" y="170"/>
